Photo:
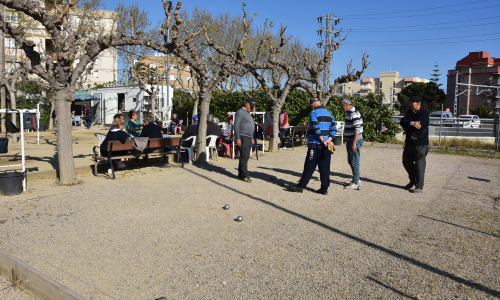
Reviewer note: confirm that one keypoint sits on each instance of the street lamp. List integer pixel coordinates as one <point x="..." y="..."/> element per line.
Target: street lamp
<point x="169" y="8"/>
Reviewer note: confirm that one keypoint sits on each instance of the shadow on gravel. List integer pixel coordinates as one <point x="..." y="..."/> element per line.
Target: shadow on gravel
<point x="453" y="224"/>
<point x="298" y="175"/>
<point x="390" y="288"/>
<point x="385" y="250"/>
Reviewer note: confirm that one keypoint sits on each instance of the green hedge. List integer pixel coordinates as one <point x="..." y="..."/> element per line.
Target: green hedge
<point x="378" y="126"/>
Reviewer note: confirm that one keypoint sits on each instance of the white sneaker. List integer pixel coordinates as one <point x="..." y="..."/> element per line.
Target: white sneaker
<point x="121" y="165"/>
<point x="110" y="171"/>
<point x="353" y="186"/>
<point x="284" y="147"/>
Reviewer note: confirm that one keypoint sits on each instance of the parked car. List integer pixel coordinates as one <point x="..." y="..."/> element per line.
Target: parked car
<point x="435" y="118"/>
<point x="469" y="121"/>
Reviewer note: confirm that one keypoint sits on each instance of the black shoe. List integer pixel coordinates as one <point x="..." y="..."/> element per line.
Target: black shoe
<point x="418" y="190"/>
<point x="409" y="186"/>
<point x="296" y="189"/>
<point x="322" y="192"/>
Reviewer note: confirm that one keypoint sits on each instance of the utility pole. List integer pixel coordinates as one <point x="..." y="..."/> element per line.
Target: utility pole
<point x="328" y="35"/>
<point x="3" y="103"/>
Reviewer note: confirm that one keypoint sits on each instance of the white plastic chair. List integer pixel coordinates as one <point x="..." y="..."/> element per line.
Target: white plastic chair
<point x="340" y="130"/>
<point x="100" y="138"/>
<point x="212" y="145"/>
<point x="190" y="149"/>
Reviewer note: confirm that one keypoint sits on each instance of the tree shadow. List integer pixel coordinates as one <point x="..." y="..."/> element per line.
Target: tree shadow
<point x="362" y="241"/>
<point x="453" y="224"/>
<point x="390" y="288"/>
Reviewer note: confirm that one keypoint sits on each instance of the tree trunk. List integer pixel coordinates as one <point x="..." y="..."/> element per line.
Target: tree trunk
<point x="51" y="121"/>
<point x="3" y="105"/>
<point x="67" y="175"/>
<point x="274" y="142"/>
<point x="195" y="106"/>
<point x="14" y="119"/>
<point x="201" y="140"/>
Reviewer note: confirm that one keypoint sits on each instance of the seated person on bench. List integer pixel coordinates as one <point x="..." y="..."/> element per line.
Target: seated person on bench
<point x="115" y="134"/>
<point x="228" y="132"/>
<point x="150" y="129"/>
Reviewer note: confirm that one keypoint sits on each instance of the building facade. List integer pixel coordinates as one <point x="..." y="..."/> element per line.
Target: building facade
<point x="178" y="75"/>
<point x="122" y="99"/>
<point x="477" y="68"/>
<point x="389" y="84"/>
<point x="103" y="70"/>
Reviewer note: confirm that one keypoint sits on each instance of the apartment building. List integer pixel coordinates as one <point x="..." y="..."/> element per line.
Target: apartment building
<point x="477" y="68"/>
<point x="179" y="74"/>
<point x="104" y="68"/>
<point x="389" y="83"/>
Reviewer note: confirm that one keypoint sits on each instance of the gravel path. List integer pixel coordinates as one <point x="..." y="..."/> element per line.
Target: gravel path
<point x="162" y="231"/>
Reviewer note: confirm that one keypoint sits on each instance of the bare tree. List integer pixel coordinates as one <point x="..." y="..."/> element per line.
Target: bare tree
<point x="310" y="79"/>
<point x="210" y="68"/>
<point x="62" y="69"/>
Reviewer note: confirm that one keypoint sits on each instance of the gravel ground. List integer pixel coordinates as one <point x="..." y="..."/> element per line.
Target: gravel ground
<point x="162" y="231"/>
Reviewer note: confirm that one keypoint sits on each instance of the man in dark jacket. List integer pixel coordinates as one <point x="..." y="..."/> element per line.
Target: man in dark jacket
<point x="150" y="129"/>
<point x="191" y="130"/>
<point x="244" y="129"/>
<point x="415" y="124"/>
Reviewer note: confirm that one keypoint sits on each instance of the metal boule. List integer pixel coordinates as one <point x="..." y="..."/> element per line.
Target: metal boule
<point x="239" y="218"/>
<point x="161" y="298"/>
<point x="226" y="207"/>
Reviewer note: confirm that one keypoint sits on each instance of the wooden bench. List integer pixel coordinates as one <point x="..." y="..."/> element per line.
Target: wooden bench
<point x="152" y="145"/>
<point x="297" y="132"/>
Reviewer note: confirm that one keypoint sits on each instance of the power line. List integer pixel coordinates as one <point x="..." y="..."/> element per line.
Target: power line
<point x="461" y="21"/>
<point x="422" y="9"/>
<point x="425" y="29"/>
<point x="446" y="38"/>
<point x="438" y="13"/>
<point x="414" y="44"/>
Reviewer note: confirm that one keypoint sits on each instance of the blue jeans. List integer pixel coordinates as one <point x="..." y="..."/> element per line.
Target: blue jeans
<point x="88" y="124"/>
<point x="281" y="135"/>
<point x="353" y="158"/>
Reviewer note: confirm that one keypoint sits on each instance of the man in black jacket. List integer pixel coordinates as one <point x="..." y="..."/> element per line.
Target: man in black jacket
<point x="150" y="129"/>
<point x="191" y="130"/>
<point x="415" y="124"/>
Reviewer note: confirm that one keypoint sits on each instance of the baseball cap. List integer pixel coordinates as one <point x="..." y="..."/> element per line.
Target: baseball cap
<point x="414" y="99"/>
<point x="196" y="117"/>
<point x="251" y="101"/>
<point x="230" y="116"/>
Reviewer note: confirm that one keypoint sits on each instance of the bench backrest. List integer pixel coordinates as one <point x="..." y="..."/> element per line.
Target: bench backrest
<point x="118" y="146"/>
<point x="165" y="142"/>
<point x="298" y="129"/>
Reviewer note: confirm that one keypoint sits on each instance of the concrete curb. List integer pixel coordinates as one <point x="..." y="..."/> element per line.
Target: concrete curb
<point x="32" y="281"/>
<point x="491" y="153"/>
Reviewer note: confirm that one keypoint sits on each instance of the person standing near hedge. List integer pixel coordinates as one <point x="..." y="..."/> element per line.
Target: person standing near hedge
<point x="244" y="128"/>
<point x="353" y="132"/>
<point x="133" y="127"/>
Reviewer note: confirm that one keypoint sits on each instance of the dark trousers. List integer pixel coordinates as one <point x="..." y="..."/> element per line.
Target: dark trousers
<point x="320" y="157"/>
<point x="246" y="144"/>
<point x="414" y="163"/>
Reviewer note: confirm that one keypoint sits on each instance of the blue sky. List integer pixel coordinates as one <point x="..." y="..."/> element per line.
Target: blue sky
<point x="405" y="36"/>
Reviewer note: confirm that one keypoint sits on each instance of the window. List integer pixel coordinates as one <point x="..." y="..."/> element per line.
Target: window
<point x="380" y="85"/>
<point x="11" y="18"/>
<point x="394" y="84"/>
<point x="10" y="42"/>
<point x="96" y="74"/>
<point x="173" y="77"/>
<point x="134" y="99"/>
<point x="188" y="78"/>
<point x="152" y="66"/>
<point x="96" y="61"/>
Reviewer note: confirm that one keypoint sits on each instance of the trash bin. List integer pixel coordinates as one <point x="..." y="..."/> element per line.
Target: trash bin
<point x="337" y="140"/>
<point x="11" y="183"/>
<point x="42" y="127"/>
<point x="4" y="145"/>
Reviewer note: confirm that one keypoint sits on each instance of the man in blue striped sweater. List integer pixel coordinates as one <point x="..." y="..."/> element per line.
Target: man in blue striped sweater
<point x="353" y="132"/>
<point x="322" y="130"/>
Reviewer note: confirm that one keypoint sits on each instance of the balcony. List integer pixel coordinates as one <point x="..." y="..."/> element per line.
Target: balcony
<point x="366" y="87"/>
